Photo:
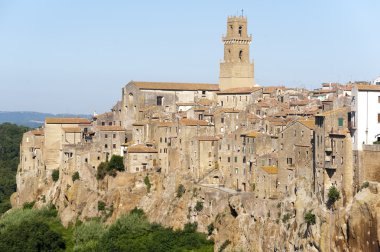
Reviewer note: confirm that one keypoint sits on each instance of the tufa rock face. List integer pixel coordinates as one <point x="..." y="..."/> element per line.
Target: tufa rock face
<point x="240" y="220"/>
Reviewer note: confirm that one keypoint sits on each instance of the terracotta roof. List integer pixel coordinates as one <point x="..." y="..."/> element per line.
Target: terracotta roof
<point x="193" y="122"/>
<point x="271" y="89"/>
<point x="139" y="123"/>
<point x="332" y="112"/>
<point x="72" y="130"/>
<point x="270" y="169"/>
<point x="140" y="148"/>
<point x="252" y="134"/>
<point x="324" y="91"/>
<point x="299" y="103"/>
<point x="308" y="123"/>
<point x="38" y="132"/>
<point x="165" y="124"/>
<point x="186" y="104"/>
<point x="368" y="87"/>
<point x="226" y="110"/>
<point x="207" y="138"/>
<point x="241" y="90"/>
<point x="110" y="128"/>
<point x="174" y="86"/>
<point x="204" y="102"/>
<point x="66" y="120"/>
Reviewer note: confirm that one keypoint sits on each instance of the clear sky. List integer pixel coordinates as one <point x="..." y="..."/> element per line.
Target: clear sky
<point x="74" y="56"/>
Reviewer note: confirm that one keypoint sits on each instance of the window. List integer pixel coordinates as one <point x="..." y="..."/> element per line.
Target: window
<point x="289" y="161"/>
<point x="378" y="99"/>
<point x="340" y="122"/>
<point x="236" y="159"/>
<point x="114" y="135"/>
<point x="240" y="30"/>
<point x="241" y="55"/>
<point x="114" y="146"/>
<point x="159" y="100"/>
<point x="203" y="93"/>
<point x="105" y="135"/>
<point x="341" y="160"/>
<point x="222" y="120"/>
<point x="378" y="118"/>
<point x="103" y="123"/>
<point x="106" y="146"/>
<point x="236" y="170"/>
<point x="228" y="159"/>
<point x="209" y="154"/>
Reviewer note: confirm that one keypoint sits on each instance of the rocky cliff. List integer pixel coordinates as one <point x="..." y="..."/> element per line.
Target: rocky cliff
<point x="235" y="220"/>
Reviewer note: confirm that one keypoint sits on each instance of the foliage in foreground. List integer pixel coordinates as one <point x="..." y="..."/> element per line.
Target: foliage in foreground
<point x="40" y="230"/>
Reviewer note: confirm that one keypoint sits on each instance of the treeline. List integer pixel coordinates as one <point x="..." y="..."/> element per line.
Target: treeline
<point x="10" y="139"/>
<point x="40" y="230"/>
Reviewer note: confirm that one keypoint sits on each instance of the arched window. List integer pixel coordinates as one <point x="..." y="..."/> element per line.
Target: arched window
<point x="241" y="55"/>
<point x="240" y="30"/>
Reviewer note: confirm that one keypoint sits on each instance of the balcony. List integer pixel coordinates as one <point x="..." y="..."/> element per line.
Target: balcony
<point x="329" y="165"/>
<point x="328" y="149"/>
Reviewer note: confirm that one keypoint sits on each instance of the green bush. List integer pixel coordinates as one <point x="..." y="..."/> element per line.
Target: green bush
<point x="190" y="227"/>
<point x="364" y="185"/>
<point x="116" y="163"/>
<point x="210" y="228"/>
<point x="147" y="183"/>
<point x="309" y="218"/>
<point x="199" y="206"/>
<point x="138" y="211"/>
<point x="180" y="190"/>
<point x="75" y="176"/>
<point x="87" y="236"/>
<point x="286" y="218"/>
<point x="28" y="205"/>
<point x="101" y="205"/>
<point x="109" y="168"/>
<point x="55" y="175"/>
<point x="333" y="195"/>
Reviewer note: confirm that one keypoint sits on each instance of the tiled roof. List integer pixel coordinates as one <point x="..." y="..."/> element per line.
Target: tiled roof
<point x="165" y="124"/>
<point x="204" y="102"/>
<point x="270" y="169"/>
<point x="139" y="123"/>
<point x="140" y="148"/>
<point x="67" y="120"/>
<point x="368" y="87"/>
<point x="252" y="134"/>
<point x="332" y="112"/>
<point x="72" y="130"/>
<point x="110" y="128"/>
<point x="207" y="138"/>
<point x="186" y="104"/>
<point x="38" y="132"/>
<point x="174" y="86"/>
<point x="226" y="110"/>
<point x="241" y="90"/>
<point x="193" y="122"/>
<point x="308" y="123"/>
<point x="271" y="89"/>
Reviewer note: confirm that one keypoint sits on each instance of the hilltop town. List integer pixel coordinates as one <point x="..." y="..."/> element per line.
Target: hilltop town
<point x="251" y="160"/>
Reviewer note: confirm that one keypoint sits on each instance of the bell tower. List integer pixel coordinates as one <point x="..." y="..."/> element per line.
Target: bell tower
<point x="236" y="70"/>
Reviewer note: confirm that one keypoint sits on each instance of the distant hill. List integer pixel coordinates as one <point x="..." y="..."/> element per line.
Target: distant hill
<point x="31" y="119"/>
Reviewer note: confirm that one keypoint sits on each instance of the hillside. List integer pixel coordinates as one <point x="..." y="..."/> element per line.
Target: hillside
<point x="31" y="119"/>
<point x="10" y="138"/>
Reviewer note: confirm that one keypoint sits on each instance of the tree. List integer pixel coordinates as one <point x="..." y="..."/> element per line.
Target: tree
<point x="333" y="196"/>
<point x="116" y="163"/>
<point x="199" y="206"/>
<point x="55" y="175"/>
<point x="102" y="170"/>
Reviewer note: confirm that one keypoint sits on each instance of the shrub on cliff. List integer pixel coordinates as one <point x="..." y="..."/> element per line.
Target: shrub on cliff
<point x="116" y="163"/>
<point x="75" y="176"/>
<point x="55" y="175"/>
<point x="309" y="218"/>
<point x="180" y="190"/>
<point x="333" y="196"/>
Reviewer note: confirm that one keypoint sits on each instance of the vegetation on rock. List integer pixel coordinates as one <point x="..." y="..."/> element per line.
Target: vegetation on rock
<point x="109" y="168"/>
<point x="199" y="206"/>
<point x="147" y="183"/>
<point x="180" y="190"/>
<point x="309" y="218"/>
<point x="10" y="138"/>
<point x="75" y="176"/>
<point x="55" y="175"/>
<point x="333" y="196"/>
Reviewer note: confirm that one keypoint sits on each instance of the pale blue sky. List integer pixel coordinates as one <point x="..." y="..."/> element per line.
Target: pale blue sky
<point x="74" y="56"/>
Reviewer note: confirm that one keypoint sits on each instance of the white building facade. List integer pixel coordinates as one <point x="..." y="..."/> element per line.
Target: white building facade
<point x="365" y="115"/>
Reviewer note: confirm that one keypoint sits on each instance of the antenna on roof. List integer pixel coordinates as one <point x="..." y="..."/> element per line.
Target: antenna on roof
<point x="242" y="12"/>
